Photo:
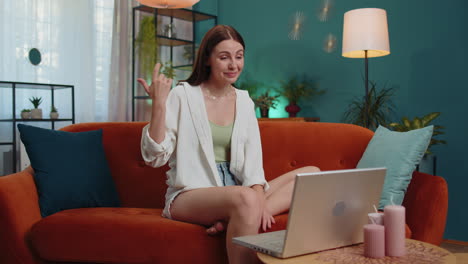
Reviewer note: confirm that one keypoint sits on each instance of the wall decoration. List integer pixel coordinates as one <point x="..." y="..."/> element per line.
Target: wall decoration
<point x="324" y="11"/>
<point x="35" y="56"/>
<point x="329" y="45"/>
<point x="297" y="24"/>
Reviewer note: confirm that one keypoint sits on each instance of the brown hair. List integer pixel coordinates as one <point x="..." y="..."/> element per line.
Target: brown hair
<point x="201" y="71"/>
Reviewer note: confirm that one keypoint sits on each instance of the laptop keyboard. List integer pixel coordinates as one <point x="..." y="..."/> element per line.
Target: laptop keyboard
<point x="273" y="241"/>
<point x="276" y="246"/>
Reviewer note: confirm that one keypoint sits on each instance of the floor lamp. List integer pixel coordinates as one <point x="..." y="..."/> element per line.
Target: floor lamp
<point x="365" y="35"/>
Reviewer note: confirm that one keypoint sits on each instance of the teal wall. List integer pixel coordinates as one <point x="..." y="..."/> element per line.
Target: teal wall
<point x="428" y="64"/>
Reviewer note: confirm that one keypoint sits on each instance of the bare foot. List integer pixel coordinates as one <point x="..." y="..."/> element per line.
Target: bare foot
<point x="217" y="228"/>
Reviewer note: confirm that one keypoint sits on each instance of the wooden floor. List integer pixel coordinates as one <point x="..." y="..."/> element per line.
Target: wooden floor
<point x="455" y="246"/>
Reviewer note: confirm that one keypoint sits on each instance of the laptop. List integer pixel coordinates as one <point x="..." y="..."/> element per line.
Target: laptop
<point x="328" y="210"/>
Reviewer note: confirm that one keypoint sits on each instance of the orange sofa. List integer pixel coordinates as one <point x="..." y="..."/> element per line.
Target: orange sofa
<point x="136" y="232"/>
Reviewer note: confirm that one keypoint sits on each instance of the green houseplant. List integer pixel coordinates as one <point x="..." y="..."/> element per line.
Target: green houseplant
<point x="295" y="89"/>
<point x="428" y="162"/>
<point x="265" y="102"/>
<point x="53" y="113"/>
<point x="379" y="111"/>
<point x="26" y="113"/>
<point x="168" y="70"/>
<point x="420" y="122"/>
<point x="36" y="113"/>
<point x="147" y="47"/>
<point x="189" y="52"/>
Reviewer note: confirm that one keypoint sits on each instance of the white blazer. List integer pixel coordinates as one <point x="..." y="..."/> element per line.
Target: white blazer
<point x="188" y="144"/>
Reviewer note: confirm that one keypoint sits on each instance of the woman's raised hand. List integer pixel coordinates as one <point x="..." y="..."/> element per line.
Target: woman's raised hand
<point x="159" y="88"/>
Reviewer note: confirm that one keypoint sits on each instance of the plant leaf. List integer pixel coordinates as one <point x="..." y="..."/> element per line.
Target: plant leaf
<point x="429" y="117"/>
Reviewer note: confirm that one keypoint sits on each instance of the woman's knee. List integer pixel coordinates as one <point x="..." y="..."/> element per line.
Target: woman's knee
<point x="307" y="169"/>
<point x="246" y="197"/>
<point x="246" y="202"/>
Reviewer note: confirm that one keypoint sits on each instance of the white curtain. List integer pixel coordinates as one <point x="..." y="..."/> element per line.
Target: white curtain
<point x="120" y="81"/>
<point x="74" y="38"/>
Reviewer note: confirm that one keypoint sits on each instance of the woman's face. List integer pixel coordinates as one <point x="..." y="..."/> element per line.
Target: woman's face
<point x="226" y="61"/>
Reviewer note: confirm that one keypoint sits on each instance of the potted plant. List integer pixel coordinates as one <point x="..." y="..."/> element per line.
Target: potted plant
<point x="428" y="162"/>
<point x="36" y="113"/>
<point x="265" y="102"/>
<point x="147" y="47"/>
<point x="26" y="113"/>
<point x="169" y="30"/>
<point x="168" y="70"/>
<point x="53" y="113"/>
<point x="294" y="90"/>
<point x="379" y="110"/>
<point x="189" y="52"/>
<point x="420" y="122"/>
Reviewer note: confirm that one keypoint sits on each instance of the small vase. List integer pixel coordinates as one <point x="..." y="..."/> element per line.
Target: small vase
<point x="169" y="31"/>
<point x="264" y="112"/>
<point x="54" y="115"/>
<point x="25" y="115"/>
<point x="36" y="113"/>
<point x="292" y="109"/>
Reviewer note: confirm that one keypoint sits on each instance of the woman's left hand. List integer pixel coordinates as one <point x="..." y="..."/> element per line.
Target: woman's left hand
<point x="267" y="219"/>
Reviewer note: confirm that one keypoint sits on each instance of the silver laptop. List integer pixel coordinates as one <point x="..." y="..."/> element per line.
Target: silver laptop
<point x="328" y="210"/>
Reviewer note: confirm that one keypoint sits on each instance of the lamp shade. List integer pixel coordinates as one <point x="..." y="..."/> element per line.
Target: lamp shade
<point x="168" y="3"/>
<point x="365" y="29"/>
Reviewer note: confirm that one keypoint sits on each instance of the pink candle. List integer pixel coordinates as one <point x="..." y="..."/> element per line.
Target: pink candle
<point x="374" y="241"/>
<point x="394" y="219"/>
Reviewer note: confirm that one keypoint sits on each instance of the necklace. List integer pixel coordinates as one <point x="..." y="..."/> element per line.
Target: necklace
<point x="209" y="95"/>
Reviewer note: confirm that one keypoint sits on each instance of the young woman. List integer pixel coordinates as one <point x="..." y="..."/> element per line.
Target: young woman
<point x="208" y="132"/>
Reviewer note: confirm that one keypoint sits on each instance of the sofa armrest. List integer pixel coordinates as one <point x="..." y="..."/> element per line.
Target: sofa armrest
<point x="426" y="203"/>
<point x="19" y="210"/>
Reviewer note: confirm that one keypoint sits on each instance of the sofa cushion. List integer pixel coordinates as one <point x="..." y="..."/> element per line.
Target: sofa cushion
<point x="138" y="185"/>
<point x="70" y="169"/>
<point x="126" y="235"/>
<point x="399" y="152"/>
<point x="122" y="235"/>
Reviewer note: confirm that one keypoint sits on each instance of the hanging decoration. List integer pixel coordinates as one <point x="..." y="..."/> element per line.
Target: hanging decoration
<point x="324" y="11"/>
<point x="329" y="45"/>
<point x="296" y="26"/>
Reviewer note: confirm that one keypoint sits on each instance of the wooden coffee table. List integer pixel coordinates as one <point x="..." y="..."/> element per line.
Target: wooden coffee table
<point x="416" y="252"/>
<point x="462" y="258"/>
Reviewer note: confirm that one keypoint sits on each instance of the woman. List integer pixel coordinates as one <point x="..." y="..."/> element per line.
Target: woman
<point x="208" y="132"/>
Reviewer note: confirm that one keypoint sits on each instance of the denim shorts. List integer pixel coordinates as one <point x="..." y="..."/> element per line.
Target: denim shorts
<point x="227" y="178"/>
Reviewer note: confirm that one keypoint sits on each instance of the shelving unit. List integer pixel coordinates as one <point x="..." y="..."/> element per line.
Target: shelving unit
<point x="171" y="46"/>
<point x="10" y="116"/>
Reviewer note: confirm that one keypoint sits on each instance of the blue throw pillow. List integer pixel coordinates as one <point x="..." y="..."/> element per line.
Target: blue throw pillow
<point x="70" y="169"/>
<point x="399" y="152"/>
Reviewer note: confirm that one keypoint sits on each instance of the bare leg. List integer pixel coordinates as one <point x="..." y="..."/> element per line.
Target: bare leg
<point x="280" y="193"/>
<point x="237" y="205"/>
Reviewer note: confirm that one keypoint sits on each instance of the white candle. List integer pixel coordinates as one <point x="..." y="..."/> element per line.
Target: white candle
<point x="376" y="218"/>
<point x="394" y="219"/>
<point x="374" y="241"/>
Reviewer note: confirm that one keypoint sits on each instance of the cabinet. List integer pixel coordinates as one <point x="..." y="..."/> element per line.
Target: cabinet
<point x="14" y="96"/>
<point x="170" y="36"/>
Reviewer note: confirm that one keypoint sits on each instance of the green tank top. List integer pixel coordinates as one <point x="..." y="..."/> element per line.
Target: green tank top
<point x="221" y="141"/>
